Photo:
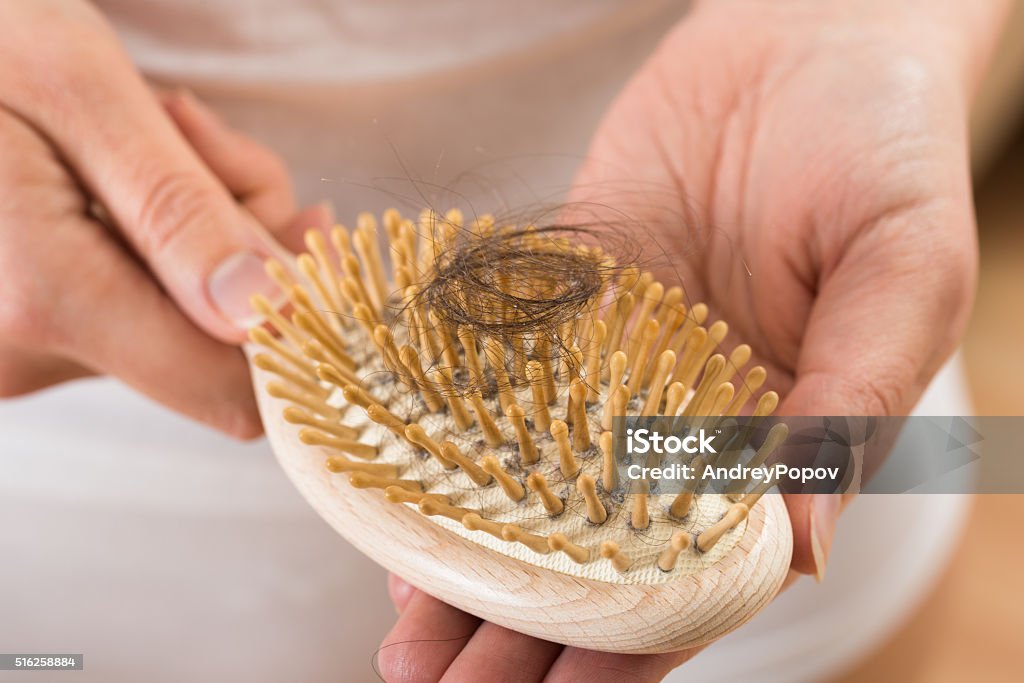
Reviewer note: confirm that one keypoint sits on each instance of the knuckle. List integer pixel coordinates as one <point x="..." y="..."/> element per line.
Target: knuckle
<point x="22" y="319"/>
<point x="957" y="265"/>
<point x="877" y="395"/>
<point x="18" y="380"/>
<point x="11" y="383"/>
<point x="174" y="205"/>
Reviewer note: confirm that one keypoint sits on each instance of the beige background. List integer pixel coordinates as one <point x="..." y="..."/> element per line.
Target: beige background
<point x="970" y="627"/>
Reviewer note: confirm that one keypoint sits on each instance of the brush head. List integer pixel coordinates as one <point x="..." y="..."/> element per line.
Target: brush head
<point x="454" y="422"/>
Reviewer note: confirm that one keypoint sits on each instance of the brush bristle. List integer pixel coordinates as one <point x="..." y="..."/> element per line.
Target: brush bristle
<point x="493" y="428"/>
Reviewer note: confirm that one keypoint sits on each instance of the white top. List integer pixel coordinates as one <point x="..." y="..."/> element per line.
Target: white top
<point x="165" y="552"/>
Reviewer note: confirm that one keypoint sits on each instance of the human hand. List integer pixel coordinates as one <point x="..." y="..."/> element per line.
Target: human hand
<point x="822" y="146"/>
<point x="131" y="233"/>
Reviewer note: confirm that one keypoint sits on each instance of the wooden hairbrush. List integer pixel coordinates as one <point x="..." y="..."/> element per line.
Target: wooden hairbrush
<point x="452" y="418"/>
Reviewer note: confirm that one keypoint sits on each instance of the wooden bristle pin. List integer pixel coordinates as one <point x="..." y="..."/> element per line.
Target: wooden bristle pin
<point x="609" y="473"/>
<point x="751" y="498"/>
<point x="316" y="438"/>
<point x="669" y="556"/>
<point x="310" y="324"/>
<point x="640" y="516"/>
<point x="671" y="317"/>
<point x="398" y="494"/>
<point x="258" y="335"/>
<point x="447" y="341"/>
<point x="735" y="515"/>
<point x="527" y="449"/>
<point x="739" y="357"/>
<point x="693" y="339"/>
<point x="566" y="460"/>
<point x="356" y="288"/>
<point x="317" y="246"/>
<point x="709" y="380"/>
<point x="558" y="542"/>
<point x="617" y="399"/>
<point x="651" y="329"/>
<point x="538" y="544"/>
<point x="364" y="239"/>
<point x="269" y="363"/>
<point x="776" y="435"/>
<point x="337" y="464"/>
<point x="674" y="396"/>
<point x="539" y="485"/>
<point x="456" y="406"/>
<point x="592" y="364"/>
<point x="314" y="404"/>
<point x="656" y="386"/>
<point x="411" y="360"/>
<point x="418" y="436"/>
<point x="276" y="271"/>
<point x="625" y="306"/>
<point x="364" y="480"/>
<point x="341" y="242"/>
<point x="389" y="350"/>
<point x="596" y="511"/>
<point x="468" y="340"/>
<point x="339" y="373"/>
<point x="753" y="381"/>
<point x="492" y="435"/>
<point x="512" y="488"/>
<point x="651" y="297"/>
<point x="436" y="508"/>
<point x="682" y="503"/>
<point x="610" y="551"/>
<point x="384" y="417"/>
<point x="616" y="368"/>
<point x="298" y="416"/>
<point x="580" y="425"/>
<point x="308" y="267"/>
<point x="352" y="391"/>
<point x="452" y="453"/>
<point x="495" y="354"/>
<point x="263" y="307"/>
<point x="474" y="522"/>
<point x="541" y="415"/>
<point x="616" y="406"/>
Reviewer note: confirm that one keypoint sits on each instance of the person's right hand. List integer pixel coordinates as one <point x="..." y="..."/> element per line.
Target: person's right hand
<point x="133" y="226"/>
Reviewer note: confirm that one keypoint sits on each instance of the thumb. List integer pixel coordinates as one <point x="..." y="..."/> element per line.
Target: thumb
<point x="885" y="318"/>
<point x="205" y="249"/>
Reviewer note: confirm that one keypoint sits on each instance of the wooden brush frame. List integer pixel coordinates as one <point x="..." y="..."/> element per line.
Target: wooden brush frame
<point x="450" y="479"/>
<point x="686" y="612"/>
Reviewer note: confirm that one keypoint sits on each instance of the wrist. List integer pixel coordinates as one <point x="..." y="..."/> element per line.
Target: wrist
<point x="956" y="35"/>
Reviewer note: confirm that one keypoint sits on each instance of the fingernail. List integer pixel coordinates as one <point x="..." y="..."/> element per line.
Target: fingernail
<point x="233" y="282"/>
<point x="824" y="514"/>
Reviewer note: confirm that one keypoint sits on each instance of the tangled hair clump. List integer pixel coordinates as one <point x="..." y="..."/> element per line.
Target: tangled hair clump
<point x="515" y="282"/>
<point x="522" y="290"/>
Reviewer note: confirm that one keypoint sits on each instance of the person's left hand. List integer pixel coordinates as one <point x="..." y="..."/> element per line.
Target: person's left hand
<point x="816" y="145"/>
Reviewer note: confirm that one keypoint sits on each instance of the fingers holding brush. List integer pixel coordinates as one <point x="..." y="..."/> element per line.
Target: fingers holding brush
<point x="255" y="176"/>
<point x="427" y="638"/>
<point x="77" y="301"/>
<point x="505" y="655"/>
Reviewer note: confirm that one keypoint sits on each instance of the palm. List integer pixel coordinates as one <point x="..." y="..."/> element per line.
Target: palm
<point x="761" y="172"/>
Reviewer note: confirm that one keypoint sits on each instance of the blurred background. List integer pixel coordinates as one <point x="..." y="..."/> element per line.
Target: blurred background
<point x="107" y="532"/>
<point x="969" y="628"/>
